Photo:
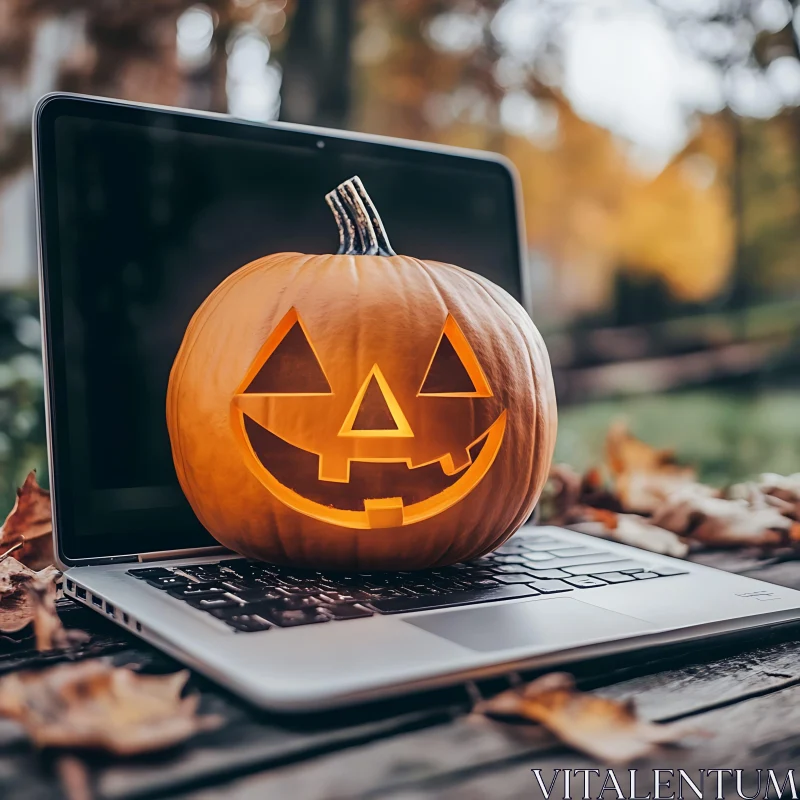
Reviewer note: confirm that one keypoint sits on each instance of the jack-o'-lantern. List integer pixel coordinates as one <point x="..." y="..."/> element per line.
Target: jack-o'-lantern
<point x="362" y="410"/>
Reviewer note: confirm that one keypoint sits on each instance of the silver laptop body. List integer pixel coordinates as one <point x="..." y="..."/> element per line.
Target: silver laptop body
<point x="546" y="598"/>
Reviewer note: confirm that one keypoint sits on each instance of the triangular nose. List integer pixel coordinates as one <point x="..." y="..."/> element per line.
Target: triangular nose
<point x="375" y="411"/>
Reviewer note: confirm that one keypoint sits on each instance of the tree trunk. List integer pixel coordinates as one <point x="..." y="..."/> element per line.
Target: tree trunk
<point x="316" y="62"/>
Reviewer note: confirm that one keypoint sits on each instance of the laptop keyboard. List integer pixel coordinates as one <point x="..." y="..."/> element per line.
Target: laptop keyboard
<point x="252" y="596"/>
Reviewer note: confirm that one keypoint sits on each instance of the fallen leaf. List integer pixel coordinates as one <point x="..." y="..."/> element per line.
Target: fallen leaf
<point x="720" y="522"/>
<point x="634" y="530"/>
<point x="93" y="705"/>
<point x="16" y="606"/>
<point x="644" y="477"/>
<point x="27" y="596"/>
<point x="604" y="729"/>
<point x="568" y="493"/>
<point x="655" y="504"/>
<point x="30" y="524"/>
<point x="778" y="491"/>
<point x="48" y="628"/>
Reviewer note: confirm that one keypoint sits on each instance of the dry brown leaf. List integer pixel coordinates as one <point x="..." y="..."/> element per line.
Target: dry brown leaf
<point x="30" y="524"/>
<point x="657" y="505"/>
<point x="777" y="491"/>
<point x="93" y="705"/>
<point x="720" y="522"/>
<point x="625" y="453"/>
<point x="604" y="729"/>
<point x="637" y="531"/>
<point x="567" y="494"/>
<point x="17" y="607"/>
<point x="50" y="631"/>
<point x="28" y="596"/>
<point x="644" y="477"/>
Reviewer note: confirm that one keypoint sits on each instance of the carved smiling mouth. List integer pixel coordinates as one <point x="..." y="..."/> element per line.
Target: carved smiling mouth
<point x="377" y="494"/>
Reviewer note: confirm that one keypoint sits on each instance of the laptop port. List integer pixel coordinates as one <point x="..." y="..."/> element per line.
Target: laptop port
<point x="98" y="601"/>
<point x="81" y="592"/>
<point x="125" y="618"/>
<point x="109" y="609"/>
<point x="139" y="627"/>
<point x="70" y="585"/>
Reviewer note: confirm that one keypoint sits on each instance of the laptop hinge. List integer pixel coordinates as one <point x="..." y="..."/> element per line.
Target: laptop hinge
<point x="101" y="560"/>
<point x="189" y="552"/>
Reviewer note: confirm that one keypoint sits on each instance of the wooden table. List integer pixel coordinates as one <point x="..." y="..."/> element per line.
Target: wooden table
<point x="742" y="693"/>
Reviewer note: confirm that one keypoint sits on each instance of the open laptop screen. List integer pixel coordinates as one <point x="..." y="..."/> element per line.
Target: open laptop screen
<point x="144" y="212"/>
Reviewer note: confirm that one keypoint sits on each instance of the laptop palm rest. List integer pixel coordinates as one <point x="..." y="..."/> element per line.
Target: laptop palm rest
<point x="556" y="623"/>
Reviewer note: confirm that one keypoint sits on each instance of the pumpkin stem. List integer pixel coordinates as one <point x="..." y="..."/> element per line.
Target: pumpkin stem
<point x="361" y="231"/>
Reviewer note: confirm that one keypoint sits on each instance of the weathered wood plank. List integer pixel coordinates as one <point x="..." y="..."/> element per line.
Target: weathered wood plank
<point x="760" y="733"/>
<point x="437" y="755"/>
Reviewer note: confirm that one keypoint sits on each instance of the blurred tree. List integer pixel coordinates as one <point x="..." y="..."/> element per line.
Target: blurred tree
<point x="439" y="72"/>
<point x="130" y="51"/>
<point x="754" y="46"/>
<point x="316" y="62"/>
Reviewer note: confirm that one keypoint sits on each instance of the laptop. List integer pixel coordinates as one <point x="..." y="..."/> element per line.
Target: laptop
<point x="142" y="211"/>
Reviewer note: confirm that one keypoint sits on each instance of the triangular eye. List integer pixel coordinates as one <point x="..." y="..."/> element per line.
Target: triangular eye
<point x="454" y="370"/>
<point x="287" y="363"/>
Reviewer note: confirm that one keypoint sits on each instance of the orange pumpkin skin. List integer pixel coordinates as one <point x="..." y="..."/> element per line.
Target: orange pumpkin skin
<point x="357" y="312"/>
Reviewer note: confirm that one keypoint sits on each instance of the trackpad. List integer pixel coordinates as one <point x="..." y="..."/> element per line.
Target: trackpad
<point x="557" y="623"/>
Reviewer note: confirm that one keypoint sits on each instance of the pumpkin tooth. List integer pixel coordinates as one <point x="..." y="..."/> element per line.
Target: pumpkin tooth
<point x="451" y="464"/>
<point x="333" y="468"/>
<point x="384" y="512"/>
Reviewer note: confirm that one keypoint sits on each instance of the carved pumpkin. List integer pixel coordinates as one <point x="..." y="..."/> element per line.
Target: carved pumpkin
<point x="362" y="410"/>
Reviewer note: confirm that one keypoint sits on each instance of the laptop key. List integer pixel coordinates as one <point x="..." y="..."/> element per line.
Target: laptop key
<point x="293" y="603"/>
<point x="207" y="603"/>
<point x="645" y="576"/>
<point x="616" y="577"/>
<point x="390" y="592"/>
<point x="202" y="571"/>
<point x="504" y="568"/>
<point x="347" y="611"/>
<point x="150" y="572"/>
<point x="585" y="582"/>
<point x="516" y="558"/>
<point x="611" y="566"/>
<point x="539" y="556"/>
<point x="248" y="623"/>
<point x="302" y="616"/>
<point x="566" y="551"/>
<point x="550" y="587"/>
<point x="510" y="548"/>
<point x="257" y="595"/>
<point x="343" y="597"/>
<point x="483" y="583"/>
<point x="540" y="545"/>
<point x="296" y="589"/>
<point x="664" y="571"/>
<point x="518" y="577"/>
<point x="547" y="574"/>
<point x="233" y="610"/>
<point x="168" y="582"/>
<point x="401" y="605"/>
<point x="196" y="590"/>
<point x="244" y="585"/>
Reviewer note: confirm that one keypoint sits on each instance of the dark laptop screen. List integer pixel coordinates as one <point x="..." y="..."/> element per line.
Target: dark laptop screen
<point x="144" y="213"/>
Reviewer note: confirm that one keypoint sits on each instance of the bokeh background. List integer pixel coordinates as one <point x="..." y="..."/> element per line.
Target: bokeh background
<point x="658" y="143"/>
